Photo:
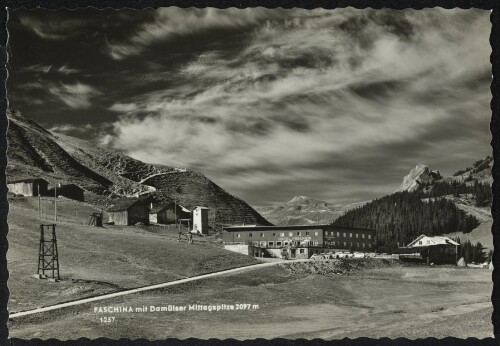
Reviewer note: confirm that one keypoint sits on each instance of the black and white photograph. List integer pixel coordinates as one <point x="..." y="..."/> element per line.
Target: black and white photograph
<point x="249" y="173"/>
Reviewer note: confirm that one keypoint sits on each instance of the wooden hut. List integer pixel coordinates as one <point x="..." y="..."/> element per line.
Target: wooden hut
<point x="167" y="213"/>
<point x="29" y="187"/>
<point x="71" y="191"/>
<point x="129" y="211"/>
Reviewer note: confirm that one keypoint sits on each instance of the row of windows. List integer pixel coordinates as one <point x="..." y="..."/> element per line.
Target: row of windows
<point x="279" y="243"/>
<point x="290" y="234"/>
<point x="351" y="244"/>
<point x="344" y="234"/>
<point x="282" y="234"/>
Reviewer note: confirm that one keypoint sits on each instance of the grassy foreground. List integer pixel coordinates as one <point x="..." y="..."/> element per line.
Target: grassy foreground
<point x="97" y="260"/>
<point x="396" y="301"/>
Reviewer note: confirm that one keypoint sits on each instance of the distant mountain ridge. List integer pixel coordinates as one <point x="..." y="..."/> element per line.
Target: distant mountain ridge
<point x="303" y="210"/>
<point x="107" y="175"/>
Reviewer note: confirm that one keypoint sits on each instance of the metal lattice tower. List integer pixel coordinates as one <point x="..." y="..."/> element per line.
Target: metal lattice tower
<point x="48" y="258"/>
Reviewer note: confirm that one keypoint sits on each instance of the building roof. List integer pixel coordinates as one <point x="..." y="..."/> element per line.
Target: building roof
<point x="433" y="240"/>
<point x="159" y="207"/>
<point x="269" y="228"/>
<point x="28" y="180"/>
<point x="291" y="227"/>
<point x="124" y="204"/>
<point x="145" y="198"/>
<point x="184" y="209"/>
<point x="61" y="186"/>
<point x="199" y="207"/>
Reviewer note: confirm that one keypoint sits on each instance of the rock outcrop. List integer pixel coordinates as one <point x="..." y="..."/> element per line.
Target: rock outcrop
<point x="419" y="177"/>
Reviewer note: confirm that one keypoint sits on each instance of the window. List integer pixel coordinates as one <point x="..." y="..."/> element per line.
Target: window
<point x="237" y="235"/>
<point x="271" y="244"/>
<point x="256" y="243"/>
<point x="363" y="245"/>
<point x="249" y="235"/>
<point x="274" y="234"/>
<point x="286" y="243"/>
<point x="338" y="234"/>
<point x="351" y="244"/>
<point x="278" y="243"/>
<point x="357" y="235"/>
<point x="345" y="235"/>
<point x="298" y="233"/>
<point x="262" y="235"/>
<point x="369" y="236"/>
<point x="333" y="243"/>
<point x="369" y="246"/>
<point x="420" y="243"/>
<point x="357" y="245"/>
<point x="428" y="242"/>
<point x="263" y="243"/>
<point x="316" y="233"/>
<point x="282" y="234"/>
<point x="307" y="233"/>
<point x="363" y="236"/>
<point x="350" y="235"/>
<point x="301" y="251"/>
<point x="290" y="234"/>
<point x="345" y="244"/>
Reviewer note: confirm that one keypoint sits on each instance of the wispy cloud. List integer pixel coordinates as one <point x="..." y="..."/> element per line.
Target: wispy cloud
<point x="38" y="68"/>
<point x="70" y="128"/>
<point x="312" y="93"/>
<point x="52" y="30"/>
<point x="76" y="96"/>
<point x="174" y="22"/>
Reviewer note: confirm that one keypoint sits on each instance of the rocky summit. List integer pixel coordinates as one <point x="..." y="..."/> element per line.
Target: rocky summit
<point x="419" y="176"/>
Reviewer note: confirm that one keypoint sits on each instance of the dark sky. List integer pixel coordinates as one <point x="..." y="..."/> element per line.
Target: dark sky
<point x="336" y="105"/>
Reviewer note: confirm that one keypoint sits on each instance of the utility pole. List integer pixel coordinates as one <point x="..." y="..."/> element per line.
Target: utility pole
<point x="55" y="201"/>
<point x="39" y="203"/>
<point x="175" y="210"/>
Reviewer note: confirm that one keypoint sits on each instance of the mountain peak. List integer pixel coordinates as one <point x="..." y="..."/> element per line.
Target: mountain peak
<point x="419" y="175"/>
<point x="299" y="199"/>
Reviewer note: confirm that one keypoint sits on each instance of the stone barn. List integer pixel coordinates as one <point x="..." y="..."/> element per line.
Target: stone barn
<point x="29" y="187"/>
<point x="168" y="213"/>
<point x="128" y="211"/>
<point x="70" y="191"/>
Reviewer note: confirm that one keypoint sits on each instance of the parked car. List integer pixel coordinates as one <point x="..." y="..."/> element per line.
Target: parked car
<point x="317" y="257"/>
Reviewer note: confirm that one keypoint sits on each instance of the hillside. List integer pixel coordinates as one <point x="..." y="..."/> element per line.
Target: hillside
<point x="303" y="210"/>
<point x="427" y="203"/>
<point x="107" y="175"/>
<point x="96" y="260"/>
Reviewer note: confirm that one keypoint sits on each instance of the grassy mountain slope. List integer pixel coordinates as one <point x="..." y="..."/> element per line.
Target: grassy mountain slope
<point x="97" y="260"/>
<point x="107" y="175"/>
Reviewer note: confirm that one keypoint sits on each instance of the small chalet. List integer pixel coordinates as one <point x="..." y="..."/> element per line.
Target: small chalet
<point x="29" y="187"/>
<point x="70" y="191"/>
<point x="168" y="213"/>
<point x="436" y="249"/>
<point x="128" y="211"/>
